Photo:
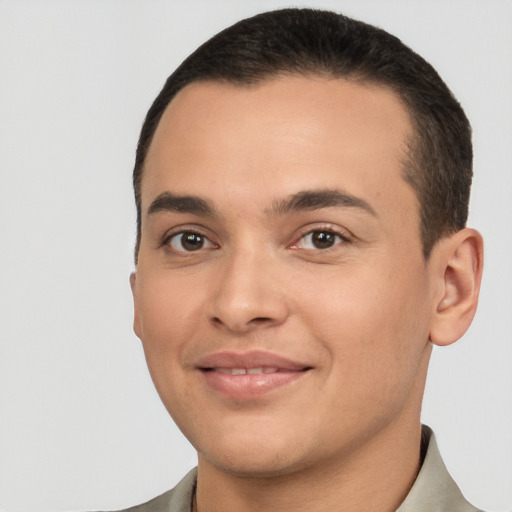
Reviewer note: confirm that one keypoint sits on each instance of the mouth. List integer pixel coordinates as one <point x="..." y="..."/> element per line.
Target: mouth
<point x="244" y="371"/>
<point x="249" y="375"/>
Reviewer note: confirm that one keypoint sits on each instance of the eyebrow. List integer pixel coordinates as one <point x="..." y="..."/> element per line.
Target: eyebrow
<point x="304" y="200"/>
<point x="181" y="204"/>
<point x="317" y="199"/>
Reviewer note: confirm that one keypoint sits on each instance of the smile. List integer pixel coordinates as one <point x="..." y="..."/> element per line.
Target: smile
<point x="250" y="375"/>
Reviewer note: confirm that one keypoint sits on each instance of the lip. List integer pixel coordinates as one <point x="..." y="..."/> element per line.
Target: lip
<point x="221" y="372"/>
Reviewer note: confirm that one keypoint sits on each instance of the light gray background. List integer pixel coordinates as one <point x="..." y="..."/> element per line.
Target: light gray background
<point x="80" y="424"/>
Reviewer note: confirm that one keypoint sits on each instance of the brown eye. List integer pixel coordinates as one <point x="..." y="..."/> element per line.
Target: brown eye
<point x="189" y="242"/>
<point x="320" y="240"/>
<point x="323" y="239"/>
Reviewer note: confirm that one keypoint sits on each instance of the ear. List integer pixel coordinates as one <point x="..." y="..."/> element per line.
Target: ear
<point x="136" y="321"/>
<point x="458" y="263"/>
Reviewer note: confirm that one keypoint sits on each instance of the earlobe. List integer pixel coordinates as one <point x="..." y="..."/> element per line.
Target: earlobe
<point x="136" y="320"/>
<point x="459" y="266"/>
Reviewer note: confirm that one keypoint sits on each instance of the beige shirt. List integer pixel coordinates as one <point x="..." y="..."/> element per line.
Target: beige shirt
<point x="433" y="491"/>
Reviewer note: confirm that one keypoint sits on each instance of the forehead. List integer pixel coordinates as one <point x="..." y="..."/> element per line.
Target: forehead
<point x="286" y="132"/>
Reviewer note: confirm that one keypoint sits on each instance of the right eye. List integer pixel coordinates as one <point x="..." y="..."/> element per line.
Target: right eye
<point x="188" y="241"/>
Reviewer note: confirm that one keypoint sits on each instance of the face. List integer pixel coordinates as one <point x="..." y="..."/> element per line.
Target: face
<point x="281" y="293"/>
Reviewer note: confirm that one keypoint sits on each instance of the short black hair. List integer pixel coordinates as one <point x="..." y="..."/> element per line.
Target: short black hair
<point x="310" y="42"/>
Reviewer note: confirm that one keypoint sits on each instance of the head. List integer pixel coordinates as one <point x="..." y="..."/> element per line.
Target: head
<point x="302" y="185"/>
<point x="307" y="42"/>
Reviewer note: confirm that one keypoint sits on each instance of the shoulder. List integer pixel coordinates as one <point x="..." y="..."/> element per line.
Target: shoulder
<point x="178" y="499"/>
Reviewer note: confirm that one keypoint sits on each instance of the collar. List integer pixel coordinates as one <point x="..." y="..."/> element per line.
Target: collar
<point x="434" y="488"/>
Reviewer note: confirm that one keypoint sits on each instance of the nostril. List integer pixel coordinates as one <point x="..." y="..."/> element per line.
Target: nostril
<point x="242" y="326"/>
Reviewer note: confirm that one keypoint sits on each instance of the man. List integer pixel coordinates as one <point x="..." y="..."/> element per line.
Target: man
<point x="302" y="185"/>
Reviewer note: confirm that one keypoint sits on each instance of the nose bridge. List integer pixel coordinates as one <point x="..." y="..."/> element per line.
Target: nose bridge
<point x="248" y="292"/>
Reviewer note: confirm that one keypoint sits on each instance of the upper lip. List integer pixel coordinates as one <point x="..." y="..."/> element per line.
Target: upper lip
<point x="249" y="359"/>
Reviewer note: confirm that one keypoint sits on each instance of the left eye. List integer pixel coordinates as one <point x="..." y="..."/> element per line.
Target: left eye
<point x="188" y="241"/>
<point x="319" y="240"/>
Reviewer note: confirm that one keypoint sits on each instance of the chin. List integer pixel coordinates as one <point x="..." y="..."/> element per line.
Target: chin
<point x="253" y="465"/>
<point x="252" y="454"/>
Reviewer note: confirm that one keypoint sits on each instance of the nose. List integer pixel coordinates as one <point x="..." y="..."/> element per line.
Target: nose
<point x="249" y="294"/>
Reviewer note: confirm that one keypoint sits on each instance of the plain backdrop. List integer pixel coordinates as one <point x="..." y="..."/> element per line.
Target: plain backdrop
<point x="81" y="427"/>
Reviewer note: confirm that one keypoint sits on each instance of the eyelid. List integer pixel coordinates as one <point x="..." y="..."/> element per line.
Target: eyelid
<point x="181" y="230"/>
<point x="345" y="235"/>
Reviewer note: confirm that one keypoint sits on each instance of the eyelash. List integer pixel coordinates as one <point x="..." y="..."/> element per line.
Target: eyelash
<point x="343" y="237"/>
<point x="167" y="241"/>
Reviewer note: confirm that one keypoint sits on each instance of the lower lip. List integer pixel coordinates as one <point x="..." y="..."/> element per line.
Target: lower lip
<point x="249" y="386"/>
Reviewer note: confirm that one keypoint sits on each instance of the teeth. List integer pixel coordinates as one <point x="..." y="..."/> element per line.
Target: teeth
<point x="249" y="371"/>
<point x="232" y="371"/>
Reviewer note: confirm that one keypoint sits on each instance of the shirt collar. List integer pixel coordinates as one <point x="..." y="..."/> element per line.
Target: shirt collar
<point x="434" y="488"/>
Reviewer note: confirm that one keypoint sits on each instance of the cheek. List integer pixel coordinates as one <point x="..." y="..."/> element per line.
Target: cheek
<point x="372" y="327"/>
<point x="166" y="309"/>
<point x="168" y="316"/>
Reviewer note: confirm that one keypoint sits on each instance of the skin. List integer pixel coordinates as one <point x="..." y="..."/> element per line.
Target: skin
<point x="361" y="314"/>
